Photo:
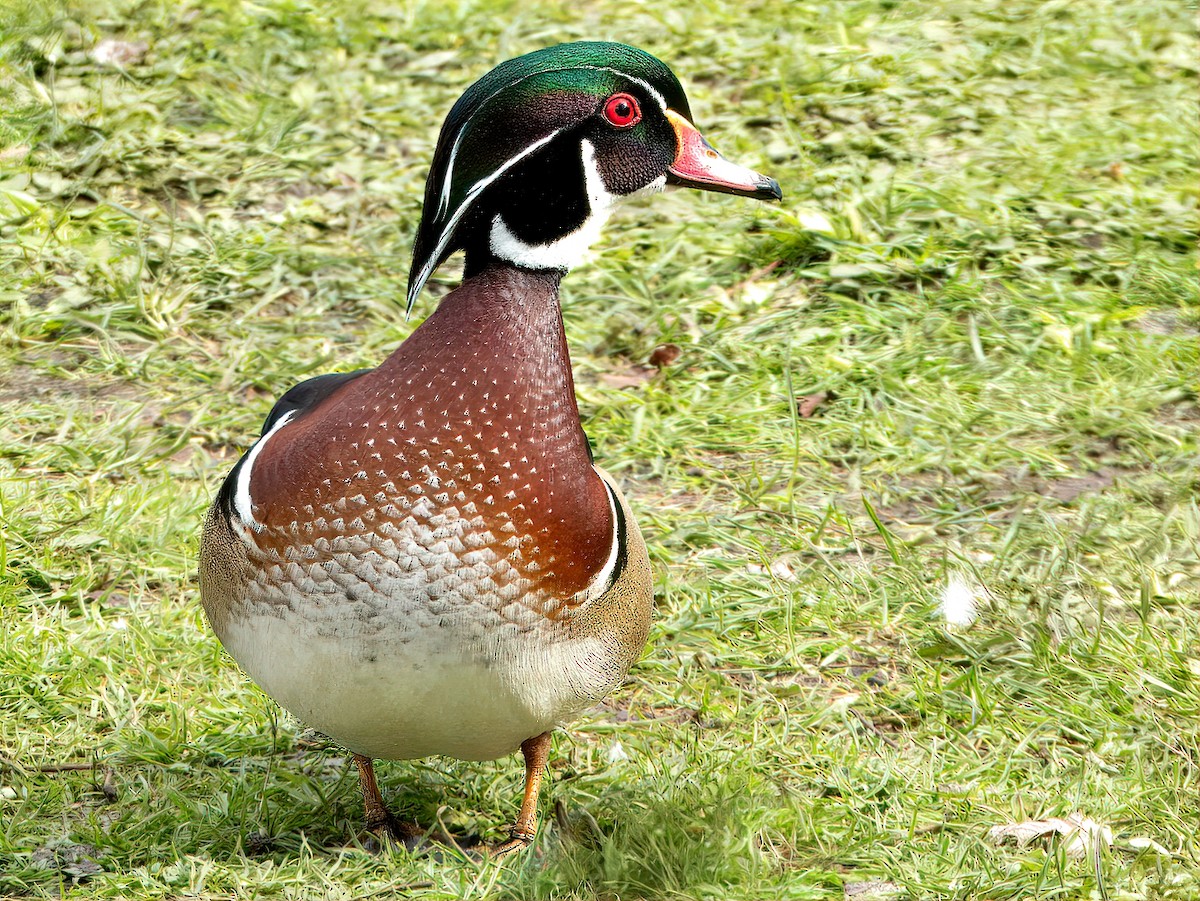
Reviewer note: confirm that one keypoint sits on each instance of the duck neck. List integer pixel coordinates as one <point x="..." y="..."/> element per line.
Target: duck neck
<point x="481" y="263"/>
<point x="503" y="328"/>
<point x="493" y="373"/>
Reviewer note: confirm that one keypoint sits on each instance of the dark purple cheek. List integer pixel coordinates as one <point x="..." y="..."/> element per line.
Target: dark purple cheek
<point x="626" y="173"/>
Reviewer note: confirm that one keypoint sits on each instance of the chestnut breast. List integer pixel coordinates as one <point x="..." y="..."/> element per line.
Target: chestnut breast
<point x="468" y="436"/>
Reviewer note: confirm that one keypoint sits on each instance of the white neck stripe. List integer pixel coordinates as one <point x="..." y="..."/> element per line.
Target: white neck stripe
<point x="599" y="583"/>
<point x="241" y="494"/>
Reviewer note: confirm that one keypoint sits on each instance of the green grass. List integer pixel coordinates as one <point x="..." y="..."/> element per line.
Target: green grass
<point x="985" y="261"/>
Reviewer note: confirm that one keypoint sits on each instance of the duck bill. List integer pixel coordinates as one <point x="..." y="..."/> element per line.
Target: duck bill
<point x="698" y="165"/>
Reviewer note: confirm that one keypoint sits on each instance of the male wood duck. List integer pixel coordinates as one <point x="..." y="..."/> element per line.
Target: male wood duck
<point x="421" y="558"/>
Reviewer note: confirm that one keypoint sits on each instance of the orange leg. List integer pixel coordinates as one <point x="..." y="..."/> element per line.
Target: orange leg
<point x="536" y="751"/>
<point x="379" y="819"/>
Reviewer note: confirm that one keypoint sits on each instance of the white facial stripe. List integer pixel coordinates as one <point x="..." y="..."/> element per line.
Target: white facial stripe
<point x="444" y="200"/>
<point x="476" y="190"/>
<point x="650" y="89"/>
<point x="241" y="495"/>
<point x="570" y="249"/>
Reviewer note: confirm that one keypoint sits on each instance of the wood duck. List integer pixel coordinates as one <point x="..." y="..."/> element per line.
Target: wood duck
<point x="421" y="558"/>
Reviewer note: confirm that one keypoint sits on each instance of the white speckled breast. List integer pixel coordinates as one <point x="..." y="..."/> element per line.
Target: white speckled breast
<point x="403" y="643"/>
<point x="400" y="651"/>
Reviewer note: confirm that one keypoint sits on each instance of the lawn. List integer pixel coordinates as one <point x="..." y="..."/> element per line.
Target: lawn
<point x="955" y="374"/>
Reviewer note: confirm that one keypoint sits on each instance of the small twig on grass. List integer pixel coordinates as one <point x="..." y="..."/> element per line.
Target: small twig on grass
<point x="890" y="742"/>
<point x="756" y="275"/>
<point x="394" y="889"/>
<point x="9" y="764"/>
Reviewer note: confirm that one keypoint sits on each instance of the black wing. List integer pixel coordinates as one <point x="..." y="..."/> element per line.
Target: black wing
<point x="308" y="394"/>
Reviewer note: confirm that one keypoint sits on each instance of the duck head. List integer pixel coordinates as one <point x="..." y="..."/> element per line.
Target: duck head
<point x="533" y="156"/>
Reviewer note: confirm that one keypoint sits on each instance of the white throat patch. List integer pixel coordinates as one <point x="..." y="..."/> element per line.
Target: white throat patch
<point x="569" y="250"/>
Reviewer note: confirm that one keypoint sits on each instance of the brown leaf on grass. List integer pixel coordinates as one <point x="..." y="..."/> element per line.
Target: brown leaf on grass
<point x="872" y="890"/>
<point x="111" y="52"/>
<point x="807" y="405"/>
<point x="778" y="568"/>
<point x="1082" y="833"/>
<point x="109" y="786"/>
<point x="664" y="355"/>
<point x="628" y="377"/>
<point x="14" y="153"/>
<point x="637" y="374"/>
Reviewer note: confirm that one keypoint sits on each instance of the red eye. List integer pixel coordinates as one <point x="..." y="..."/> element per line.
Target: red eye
<point x="622" y="110"/>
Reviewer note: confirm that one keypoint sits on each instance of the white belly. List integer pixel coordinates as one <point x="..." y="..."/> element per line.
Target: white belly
<point x="403" y="689"/>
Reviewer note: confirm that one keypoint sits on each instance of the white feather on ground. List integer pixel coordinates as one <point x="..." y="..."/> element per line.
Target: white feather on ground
<point x="959" y="602"/>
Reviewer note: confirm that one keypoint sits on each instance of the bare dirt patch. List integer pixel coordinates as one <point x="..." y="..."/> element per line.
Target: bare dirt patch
<point x="927" y="498"/>
<point x="29" y="384"/>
